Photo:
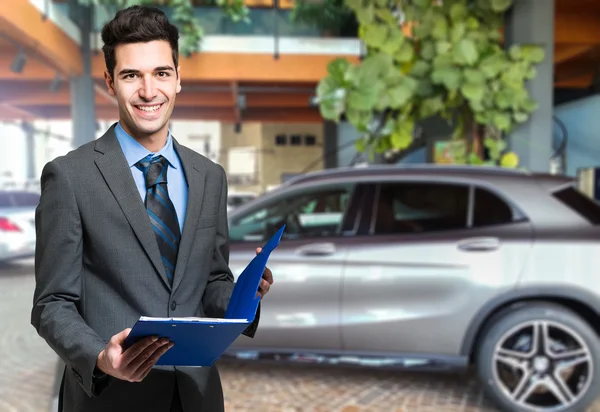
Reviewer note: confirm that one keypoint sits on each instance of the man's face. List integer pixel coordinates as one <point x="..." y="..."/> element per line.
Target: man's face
<point x="145" y="84"/>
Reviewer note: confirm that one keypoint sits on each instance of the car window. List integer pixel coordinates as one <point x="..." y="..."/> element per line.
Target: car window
<point x="490" y="210"/>
<point x="580" y="203"/>
<point x="420" y="207"/>
<point x="307" y="214"/>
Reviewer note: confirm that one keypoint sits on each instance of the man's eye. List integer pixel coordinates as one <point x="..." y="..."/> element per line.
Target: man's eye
<point x="163" y="74"/>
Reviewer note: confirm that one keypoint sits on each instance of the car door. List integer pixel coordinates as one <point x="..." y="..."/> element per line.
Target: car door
<point x="302" y="310"/>
<point x="429" y="256"/>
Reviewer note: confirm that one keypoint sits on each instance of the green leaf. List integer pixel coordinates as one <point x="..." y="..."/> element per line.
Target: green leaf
<point x="440" y="27"/>
<point x="376" y="34"/>
<point x="458" y="31"/>
<point x="443" y="47"/>
<point x="395" y="40"/>
<point x="520" y="117"/>
<point x="365" y="15"/>
<point x="465" y="52"/>
<point x="361" y="145"/>
<point x="405" y="54"/>
<point x="423" y="4"/>
<point x="500" y="6"/>
<point x="533" y="54"/>
<point x="401" y="138"/>
<point x="400" y="95"/>
<point x="450" y="77"/>
<point x="474" y="76"/>
<point x="420" y="68"/>
<point x="492" y="66"/>
<point x="431" y="106"/>
<point x="337" y="69"/>
<point x="458" y="13"/>
<point x="502" y="121"/>
<point x="359" y="119"/>
<point x="428" y="50"/>
<point x="473" y="91"/>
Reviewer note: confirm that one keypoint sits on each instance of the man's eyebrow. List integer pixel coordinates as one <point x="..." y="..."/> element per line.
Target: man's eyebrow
<point x="156" y="69"/>
<point x="164" y="69"/>
<point x="128" y="71"/>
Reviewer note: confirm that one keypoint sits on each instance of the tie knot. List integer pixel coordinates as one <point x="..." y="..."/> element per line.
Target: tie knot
<point x="154" y="169"/>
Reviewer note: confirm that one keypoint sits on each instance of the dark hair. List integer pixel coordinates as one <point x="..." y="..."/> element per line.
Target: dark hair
<point x="137" y="24"/>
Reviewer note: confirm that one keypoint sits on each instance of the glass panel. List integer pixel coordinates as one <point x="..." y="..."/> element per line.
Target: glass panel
<point x="421" y="207"/>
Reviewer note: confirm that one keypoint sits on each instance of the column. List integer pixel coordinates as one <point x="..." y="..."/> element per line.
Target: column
<point x="532" y="22"/>
<point x="83" y="108"/>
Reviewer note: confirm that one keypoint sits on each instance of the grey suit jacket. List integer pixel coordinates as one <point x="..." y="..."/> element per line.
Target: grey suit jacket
<point x="98" y="269"/>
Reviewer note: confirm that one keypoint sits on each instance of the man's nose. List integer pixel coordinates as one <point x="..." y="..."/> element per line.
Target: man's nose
<point x="147" y="90"/>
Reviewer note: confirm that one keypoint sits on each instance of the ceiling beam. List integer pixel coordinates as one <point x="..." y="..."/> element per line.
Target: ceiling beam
<point x="246" y="67"/>
<point x="577" y="28"/>
<point x="223" y="114"/>
<point x="22" y="22"/>
<point x="564" y="52"/>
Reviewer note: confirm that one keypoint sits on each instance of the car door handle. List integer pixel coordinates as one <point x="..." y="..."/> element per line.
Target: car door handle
<point x="316" y="249"/>
<point x="479" y="244"/>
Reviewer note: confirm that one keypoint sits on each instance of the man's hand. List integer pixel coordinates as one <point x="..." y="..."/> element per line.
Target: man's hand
<point x="266" y="281"/>
<point x="136" y="362"/>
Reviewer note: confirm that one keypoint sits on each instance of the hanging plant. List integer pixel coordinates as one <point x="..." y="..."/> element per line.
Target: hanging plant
<point x="430" y="58"/>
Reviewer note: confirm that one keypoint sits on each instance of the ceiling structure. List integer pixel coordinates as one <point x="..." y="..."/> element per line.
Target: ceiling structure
<point x="228" y="87"/>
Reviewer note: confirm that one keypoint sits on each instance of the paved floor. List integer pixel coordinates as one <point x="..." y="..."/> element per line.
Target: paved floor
<point x="27" y="366"/>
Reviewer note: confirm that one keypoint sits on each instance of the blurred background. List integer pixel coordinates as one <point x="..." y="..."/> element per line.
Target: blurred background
<point x="408" y="234"/>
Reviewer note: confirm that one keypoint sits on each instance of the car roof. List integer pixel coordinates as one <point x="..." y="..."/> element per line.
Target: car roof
<point x="427" y="170"/>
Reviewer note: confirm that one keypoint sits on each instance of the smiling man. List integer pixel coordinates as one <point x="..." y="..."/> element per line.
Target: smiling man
<point x="132" y="224"/>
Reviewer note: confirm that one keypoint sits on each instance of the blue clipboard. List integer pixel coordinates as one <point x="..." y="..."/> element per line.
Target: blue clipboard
<point x="201" y="341"/>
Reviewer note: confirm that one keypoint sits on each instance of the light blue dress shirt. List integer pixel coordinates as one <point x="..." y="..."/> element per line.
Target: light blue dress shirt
<point x="176" y="182"/>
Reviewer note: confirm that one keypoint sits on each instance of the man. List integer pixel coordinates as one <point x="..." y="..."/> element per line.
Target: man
<point x="132" y="224"/>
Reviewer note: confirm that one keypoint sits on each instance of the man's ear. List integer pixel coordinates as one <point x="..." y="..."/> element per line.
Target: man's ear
<point x="109" y="83"/>
<point x="178" y="79"/>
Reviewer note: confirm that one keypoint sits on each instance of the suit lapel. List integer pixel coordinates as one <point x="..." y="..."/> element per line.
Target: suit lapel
<point x="116" y="173"/>
<point x="195" y="177"/>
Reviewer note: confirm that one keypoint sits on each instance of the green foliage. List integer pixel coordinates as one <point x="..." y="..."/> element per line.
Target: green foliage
<point x="453" y="65"/>
<point x="183" y="16"/>
<point x="332" y="16"/>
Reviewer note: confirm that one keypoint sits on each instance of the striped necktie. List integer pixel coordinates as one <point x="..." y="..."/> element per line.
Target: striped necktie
<point x="161" y="211"/>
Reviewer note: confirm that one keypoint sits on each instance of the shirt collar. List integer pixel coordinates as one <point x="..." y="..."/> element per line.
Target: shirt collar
<point x="134" y="151"/>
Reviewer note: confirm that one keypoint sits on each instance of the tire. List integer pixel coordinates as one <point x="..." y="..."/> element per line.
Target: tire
<point x="574" y="336"/>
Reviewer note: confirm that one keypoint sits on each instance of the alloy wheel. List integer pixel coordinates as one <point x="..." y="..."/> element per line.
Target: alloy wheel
<point x="542" y="365"/>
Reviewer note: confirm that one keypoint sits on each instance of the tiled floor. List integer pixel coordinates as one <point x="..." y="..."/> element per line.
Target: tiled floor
<point x="27" y="368"/>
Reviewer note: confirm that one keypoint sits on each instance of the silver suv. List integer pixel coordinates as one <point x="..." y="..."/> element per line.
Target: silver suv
<point x="434" y="266"/>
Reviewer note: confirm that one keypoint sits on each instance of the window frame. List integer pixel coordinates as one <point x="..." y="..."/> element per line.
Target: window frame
<point x="349" y="221"/>
<point x="368" y="228"/>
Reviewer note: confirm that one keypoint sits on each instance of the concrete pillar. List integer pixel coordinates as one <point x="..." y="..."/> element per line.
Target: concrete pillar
<point x="30" y="152"/>
<point x="532" y="22"/>
<point x="83" y="109"/>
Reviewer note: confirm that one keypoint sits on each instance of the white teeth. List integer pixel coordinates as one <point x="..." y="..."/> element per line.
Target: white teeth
<point x="149" y="108"/>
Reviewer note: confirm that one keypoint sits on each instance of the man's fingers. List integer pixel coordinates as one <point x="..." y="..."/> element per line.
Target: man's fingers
<point x="258" y="249"/>
<point x="146" y="354"/>
<point x="144" y="368"/>
<point x="137" y="348"/>
<point x="268" y="276"/>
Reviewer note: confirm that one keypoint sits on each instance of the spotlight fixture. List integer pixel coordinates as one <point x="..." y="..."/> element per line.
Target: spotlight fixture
<point x="18" y="63"/>
<point x="55" y="84"/>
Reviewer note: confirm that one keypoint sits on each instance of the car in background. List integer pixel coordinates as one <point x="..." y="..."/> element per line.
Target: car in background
<point x="433" y="267"/>
<point x="17" y="224"/>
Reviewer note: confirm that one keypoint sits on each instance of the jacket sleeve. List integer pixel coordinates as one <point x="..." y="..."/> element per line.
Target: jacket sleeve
<point x="58" y="277"/>
<point x="221" y="282"/>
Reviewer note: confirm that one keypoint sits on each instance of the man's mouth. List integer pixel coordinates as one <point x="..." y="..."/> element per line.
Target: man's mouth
<point x="149" y="109"/>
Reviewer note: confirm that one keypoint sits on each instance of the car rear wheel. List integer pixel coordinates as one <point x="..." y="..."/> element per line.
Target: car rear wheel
<point x="540" y="357"/>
